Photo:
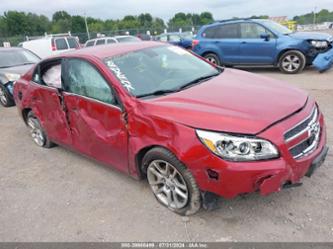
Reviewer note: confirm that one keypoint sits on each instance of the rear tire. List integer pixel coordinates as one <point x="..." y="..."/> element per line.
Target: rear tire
<point x="171" y="182"/>
<point x="292" y="62"/>
<point x="213" y="58"/>
<point x="5" y="97"/>
<point x="38" y="135"/>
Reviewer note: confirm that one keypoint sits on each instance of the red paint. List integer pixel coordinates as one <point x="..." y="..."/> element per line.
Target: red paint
<point x="235" y="101"/>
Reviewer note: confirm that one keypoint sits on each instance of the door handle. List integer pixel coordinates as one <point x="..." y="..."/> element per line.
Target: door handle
<point x="244" y="42"/>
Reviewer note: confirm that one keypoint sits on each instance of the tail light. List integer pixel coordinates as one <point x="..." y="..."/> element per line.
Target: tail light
<point x="54" y="48"/>
<point x="195" y="43"/>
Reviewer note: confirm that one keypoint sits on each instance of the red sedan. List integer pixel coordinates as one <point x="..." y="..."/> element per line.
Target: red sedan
<point x="159" y="112"/>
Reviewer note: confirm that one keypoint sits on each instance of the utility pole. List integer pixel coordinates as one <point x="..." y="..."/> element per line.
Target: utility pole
<point x="314" y="15"/>
<point x="87" y="29"/>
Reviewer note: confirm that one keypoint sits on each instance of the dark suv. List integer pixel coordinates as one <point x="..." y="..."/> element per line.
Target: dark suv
<point x="259" y="42"/>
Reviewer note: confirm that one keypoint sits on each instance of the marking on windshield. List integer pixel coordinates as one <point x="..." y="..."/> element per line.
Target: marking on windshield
<point x="122" y="78"/>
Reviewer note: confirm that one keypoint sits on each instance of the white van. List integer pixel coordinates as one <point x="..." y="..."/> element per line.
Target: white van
<point x="51" y="45"/>
<point x="110" y="40"/>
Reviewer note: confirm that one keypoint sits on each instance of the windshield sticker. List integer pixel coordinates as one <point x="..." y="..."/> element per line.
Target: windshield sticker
<point x="122" y="78"/>
<point x="178" y="50"/>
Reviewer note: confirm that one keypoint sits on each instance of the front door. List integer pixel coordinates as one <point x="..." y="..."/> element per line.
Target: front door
<point x="254" y="49"/>
<point x="94" y="114"/>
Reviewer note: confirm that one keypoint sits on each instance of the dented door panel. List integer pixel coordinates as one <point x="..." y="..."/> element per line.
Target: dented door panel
<point x="97" y="130"/>
<point x="46" y="105"/>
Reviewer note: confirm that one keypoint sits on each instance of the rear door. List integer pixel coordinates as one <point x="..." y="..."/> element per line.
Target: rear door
<point x="226" y="38"/>
<point x="46" y="101"/>
<point x="253" y="48"/>
<point x="94" y="114"/>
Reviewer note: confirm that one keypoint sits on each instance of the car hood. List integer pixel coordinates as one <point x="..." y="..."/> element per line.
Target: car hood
<point x="234" y="101"/>
<point x="17" y="70"/>
<point x="311" y="36"/>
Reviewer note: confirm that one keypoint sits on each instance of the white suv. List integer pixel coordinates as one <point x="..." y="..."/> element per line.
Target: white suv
<point x="51" y="45"/>
<point x="110" y="40"/>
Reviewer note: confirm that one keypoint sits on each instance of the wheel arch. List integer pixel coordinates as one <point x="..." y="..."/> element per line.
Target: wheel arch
<point x="25" y="113"/>
<point x="277" y="61"/>
<point x="141" y="154"/>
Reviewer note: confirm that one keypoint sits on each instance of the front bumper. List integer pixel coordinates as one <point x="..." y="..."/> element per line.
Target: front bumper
<point x="229" y="179"/>
<point x="323" y="61"/>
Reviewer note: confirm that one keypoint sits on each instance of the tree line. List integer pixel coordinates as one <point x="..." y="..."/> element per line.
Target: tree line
<point x="15" y="23"/>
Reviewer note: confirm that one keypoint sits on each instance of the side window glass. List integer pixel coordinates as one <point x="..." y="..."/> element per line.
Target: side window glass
<point x="228" y="31"/>
<point x="110" y="41"/>
<point x="174" y="38"/>
<point x="252" y="30"/>
<point x="210" y="32"/>
<point x="163" y="38"/>
<point x="90" y="43"/>
<point x="100" y="42"/>
<point x="83" y="79"/>
<point x="61" y="44"/>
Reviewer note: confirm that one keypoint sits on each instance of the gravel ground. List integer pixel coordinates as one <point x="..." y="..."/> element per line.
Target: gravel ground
<point x="58" y="195"/>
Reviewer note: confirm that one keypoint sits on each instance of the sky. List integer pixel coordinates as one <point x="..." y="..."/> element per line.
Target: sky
<point x="114" y="9"/>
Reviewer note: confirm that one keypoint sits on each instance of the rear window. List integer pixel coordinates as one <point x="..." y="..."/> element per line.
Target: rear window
<point x="61" y="44"/>
<point x="100" y="42"/>
<point x="90" y="43"/>
<point x="72" y="43"/>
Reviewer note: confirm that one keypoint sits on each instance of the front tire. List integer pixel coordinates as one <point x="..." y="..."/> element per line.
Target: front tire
<point x="5" y="98"/>
<point x="171" y="182"/>
<point x="292" y="62"/>
<point x="38" y="135"/>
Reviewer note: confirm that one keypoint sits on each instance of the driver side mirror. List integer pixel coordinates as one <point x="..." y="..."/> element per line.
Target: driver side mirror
<point x="265" y="36"/>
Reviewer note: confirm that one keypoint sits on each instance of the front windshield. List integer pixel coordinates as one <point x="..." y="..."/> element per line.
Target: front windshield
<point x="13" y="58"/>
<point x="163" y="68"/>
<point x="278" y="28"/>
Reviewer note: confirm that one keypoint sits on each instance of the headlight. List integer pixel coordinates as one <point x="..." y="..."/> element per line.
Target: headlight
<point x="12" y="76"/>
<point x="238" y="148"/>
<point x="319" y="44"/>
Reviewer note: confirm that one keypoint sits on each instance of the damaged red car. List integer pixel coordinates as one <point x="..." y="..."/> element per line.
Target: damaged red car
<point x="192" y="129"/>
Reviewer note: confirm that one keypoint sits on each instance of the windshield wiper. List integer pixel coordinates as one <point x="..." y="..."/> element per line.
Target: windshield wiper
<point x="198" y="80"/>
<point x="25" y="63"/>
<point x="157" y="93"/>
<point x="193" y="82"/>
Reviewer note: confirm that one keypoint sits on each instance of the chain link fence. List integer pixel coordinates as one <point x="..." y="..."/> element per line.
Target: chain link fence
<point x="83" y="37"/>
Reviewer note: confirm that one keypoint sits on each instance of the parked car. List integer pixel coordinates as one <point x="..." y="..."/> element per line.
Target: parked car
<point x="180" y="39"/>
<point x="51" y="45"/>
<point x="110" y="40"/>
<point x="157" y="111"/>
<point x="259" y="42"/>
<point x="13" y="63"/>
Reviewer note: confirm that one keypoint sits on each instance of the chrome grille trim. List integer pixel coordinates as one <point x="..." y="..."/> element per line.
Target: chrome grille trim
<point x="297" y="129"/>
<point x="311" y="126"/>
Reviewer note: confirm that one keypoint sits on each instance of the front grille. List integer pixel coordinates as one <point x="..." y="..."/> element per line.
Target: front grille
<point x="299" y="128"/>
<point x="311" y="127"/>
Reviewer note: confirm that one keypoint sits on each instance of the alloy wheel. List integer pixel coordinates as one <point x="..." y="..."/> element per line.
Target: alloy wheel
<point x="3" y="97"/>
<point x="211" y="60"/>
<point x="291" y="63"/>
<point x="168" y="184"/>
<point x="36" y="132"/>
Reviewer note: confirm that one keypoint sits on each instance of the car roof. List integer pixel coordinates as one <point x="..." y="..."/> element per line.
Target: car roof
<point x="237" y="21"/>
<point x="105" y="51"/>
